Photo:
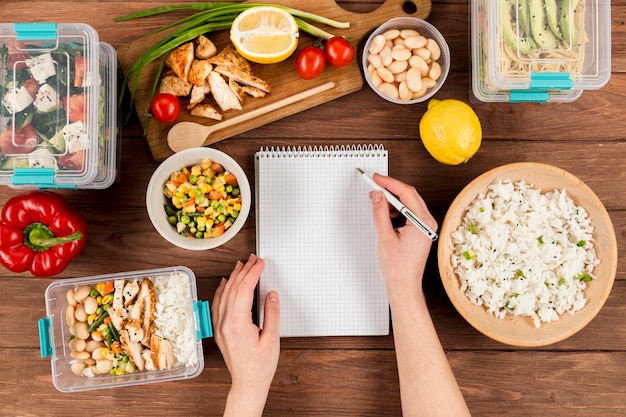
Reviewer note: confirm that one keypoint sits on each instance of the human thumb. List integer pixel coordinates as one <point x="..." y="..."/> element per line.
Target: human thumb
<point x="271" y="320"/>
<point x="380" y="212"/>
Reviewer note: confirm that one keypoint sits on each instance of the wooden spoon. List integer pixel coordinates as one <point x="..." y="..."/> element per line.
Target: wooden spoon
<point x="185" y="135"/>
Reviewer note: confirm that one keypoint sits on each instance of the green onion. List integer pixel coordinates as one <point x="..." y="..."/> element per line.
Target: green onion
<point x="472" y="229"/>
<point x="583" y="276"/>
<point x="581" y="243"/>
<point x="468" y="255"/>
<point x="211" y="17"/>
<point x="540" y="240"/>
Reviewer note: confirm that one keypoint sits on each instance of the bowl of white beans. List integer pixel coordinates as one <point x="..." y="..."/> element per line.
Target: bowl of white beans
<point x="406" y="60"/>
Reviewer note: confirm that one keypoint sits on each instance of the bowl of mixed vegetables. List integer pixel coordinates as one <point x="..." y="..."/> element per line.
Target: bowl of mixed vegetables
<point x="198" y="199"/>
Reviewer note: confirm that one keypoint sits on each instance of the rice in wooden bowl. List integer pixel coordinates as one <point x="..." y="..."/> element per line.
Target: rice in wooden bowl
<point x="524" y="250"/>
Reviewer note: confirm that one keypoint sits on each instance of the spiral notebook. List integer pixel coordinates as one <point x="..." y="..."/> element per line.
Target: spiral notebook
<point x="316" y="234"/>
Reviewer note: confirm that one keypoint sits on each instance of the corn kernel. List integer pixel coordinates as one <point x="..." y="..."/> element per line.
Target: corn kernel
<point x="237" y="206"/>
<point x="105" y="352"/>
<point x="195" y="171"/>
<point x="91" y="318"/>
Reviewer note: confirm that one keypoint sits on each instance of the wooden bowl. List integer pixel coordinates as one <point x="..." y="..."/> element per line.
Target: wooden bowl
<point x="519" y="330"/>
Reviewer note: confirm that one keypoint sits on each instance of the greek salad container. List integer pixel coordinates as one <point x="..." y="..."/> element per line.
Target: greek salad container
<point x="539" y="50"/>
<point x="58" y="110"/>
<point x="132" y="328"/>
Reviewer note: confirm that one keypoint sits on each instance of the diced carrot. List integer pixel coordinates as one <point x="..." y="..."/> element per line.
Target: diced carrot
<point x="107" y="320"/>
<point x="108" y="288"/>
<point x="217" y="167"/>
<point x="217" y="230"/>
<point x="181" y="177"/>
<point x="214" y="195"/>
<point x="116" y="347"/>
<point x="230" y="179"/>
<point x="200" y="208"/>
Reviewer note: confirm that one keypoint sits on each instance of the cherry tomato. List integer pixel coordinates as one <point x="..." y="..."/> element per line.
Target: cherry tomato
<point x="310" y="62"/>
<point x="165" y="107"/>
<point x="339" y="52"/>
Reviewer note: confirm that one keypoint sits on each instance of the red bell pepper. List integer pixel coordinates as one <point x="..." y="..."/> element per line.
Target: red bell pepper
<point x="40" y="232"/>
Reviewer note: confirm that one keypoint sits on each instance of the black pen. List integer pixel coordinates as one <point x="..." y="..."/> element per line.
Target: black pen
<point x="400" y="207"/>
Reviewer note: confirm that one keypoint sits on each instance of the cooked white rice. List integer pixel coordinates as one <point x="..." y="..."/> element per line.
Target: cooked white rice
<point x="174" y="316"/>
<point x="519" y="251"/>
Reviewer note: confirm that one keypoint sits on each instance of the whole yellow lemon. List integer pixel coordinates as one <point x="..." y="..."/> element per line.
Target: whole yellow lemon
<point x="450" y="131"/>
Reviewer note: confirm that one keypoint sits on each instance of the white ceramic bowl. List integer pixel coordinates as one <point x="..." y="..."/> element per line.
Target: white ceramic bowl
<point x="155" y="199"/>
<point x="425" y="29"/>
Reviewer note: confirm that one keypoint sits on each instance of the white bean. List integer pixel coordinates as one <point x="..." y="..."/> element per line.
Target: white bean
<point x="435" y="71"/>
<point x="408" y="33"/>
<point x="81" y="330"/>
<point x="80" y="355"/>
<point x="414" y="79"/>
<point x="415" y="42"/>
<point x="435" y="50"/>
<point x="91" y="305"/>
<point x="404" y="91"/>
<point x="376" y="61"/>
<point x="386" y="56"/>
<point x="424" y="53"/>
<point x="77" y="344"/>
<point x="79" y="313"/>
<point x="81" y="293"/>
<point x="69" y="316"/>
<point x="401" y="54"/>
<point x="77" y="368"/>
<point x="391" y="34"/>
<point x="377" y="45"/>
<point x="70" y="297"/>
<point x="92" y="345"/>
<point x="389" y="90"/>
<point x="400" y="77"/>
<point x="385" y="74"/>
<point x="97" y="354"/>
<point x="397" y="67"/>
<point x="419" y="63"/>
<point x="104" y="366"/>
<point x="376" y="80"/>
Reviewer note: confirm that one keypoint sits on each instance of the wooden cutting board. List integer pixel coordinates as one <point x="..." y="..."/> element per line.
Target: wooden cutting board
<point x="282" y="77"/>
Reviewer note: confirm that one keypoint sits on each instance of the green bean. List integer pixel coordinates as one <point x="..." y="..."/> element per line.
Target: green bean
<point x="98" y="322"/>
<point x="114" y="332"/>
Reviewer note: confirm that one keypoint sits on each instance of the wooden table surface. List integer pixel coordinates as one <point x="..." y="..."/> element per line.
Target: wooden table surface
<point x="584" y="375"/>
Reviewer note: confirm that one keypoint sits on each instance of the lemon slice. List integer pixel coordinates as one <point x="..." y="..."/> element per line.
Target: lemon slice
<point x="265" y="34"/>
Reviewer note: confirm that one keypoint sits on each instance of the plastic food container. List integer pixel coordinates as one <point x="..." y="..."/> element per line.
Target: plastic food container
<point x="538" y="50"/>
<point x="58" y="107"/>
<point x="55" y="333"/>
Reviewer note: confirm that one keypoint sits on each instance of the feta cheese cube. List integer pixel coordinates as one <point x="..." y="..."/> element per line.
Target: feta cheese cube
<point x="41" y="67"/>
<point x="41" y="158"/>
<point x="46" y="99"/>
<point x="17" y="99"/>
<point x="75" y="135"/>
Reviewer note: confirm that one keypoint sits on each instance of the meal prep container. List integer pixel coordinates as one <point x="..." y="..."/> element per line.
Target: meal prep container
<point x="75" y="148"/>
<point x="508" y="65"/>
<point x="54" y="335"/>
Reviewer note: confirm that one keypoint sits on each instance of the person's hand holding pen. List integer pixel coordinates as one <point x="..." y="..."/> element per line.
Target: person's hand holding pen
<point x="402" y="252"/>
<point x="251" y="354"/>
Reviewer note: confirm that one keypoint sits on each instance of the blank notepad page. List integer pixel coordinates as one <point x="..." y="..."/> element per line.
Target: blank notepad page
<point x="316" y="234"/>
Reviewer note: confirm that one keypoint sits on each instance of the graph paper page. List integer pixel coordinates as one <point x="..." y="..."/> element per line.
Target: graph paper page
<point x="316" y="235"/>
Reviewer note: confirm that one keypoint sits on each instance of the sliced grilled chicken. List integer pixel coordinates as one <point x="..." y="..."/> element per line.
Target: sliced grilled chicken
<point x="162" y="352"/>
<point x="146" y="293"/>
<point x="206" y="110"/>
<point x="242" y="77"/>
<point x="222" y="93"/>
<point x="132" y="349"/>
<point x="180" y="60"/>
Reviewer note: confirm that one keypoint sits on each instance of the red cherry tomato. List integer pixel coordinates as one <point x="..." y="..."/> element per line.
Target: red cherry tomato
<point x="310" y="62"/>
<point x="339" y="52"/>
<point x="165" y="107"/>
<point x="24" y="140"/>
<point x="76" y="106"/>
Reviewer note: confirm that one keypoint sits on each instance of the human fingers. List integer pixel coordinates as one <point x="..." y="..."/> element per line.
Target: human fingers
<point x="409" y="197"/>
<point x="271" y="317"/>
<point x="380" y="213"/>
<point x="217" y="298"/>
<point x="245" y="284"/>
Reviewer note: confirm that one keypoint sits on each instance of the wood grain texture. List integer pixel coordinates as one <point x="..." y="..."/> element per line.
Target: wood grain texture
<point x="583" y="375"/>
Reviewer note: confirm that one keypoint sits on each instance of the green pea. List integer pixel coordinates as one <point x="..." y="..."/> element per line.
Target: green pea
<point x="185" y="219"/>
<point x="235" y="192"/>
<point x="200" y="199"/>
<point x="100" y="310"/>
<point x="215" y="203"/>
<point x="220" y="208"/>
<point x="172" y="220"/>
<point x="199" y="235"/>
<point x="193" y="179"/>
<point x="106" y="331"/>
<point x="94" y="293"/>
<point x="234" y="214"/>
<point x="221" y="218"/>
<point x="183" y="199"/>
<point x="229" y="189"/>
<point x="169" y="210"/>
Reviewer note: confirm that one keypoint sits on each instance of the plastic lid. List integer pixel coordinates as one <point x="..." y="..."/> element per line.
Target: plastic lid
<point x="548" y="87"/>
<point x="49" y="112"/>
<point x="568" y="42"/>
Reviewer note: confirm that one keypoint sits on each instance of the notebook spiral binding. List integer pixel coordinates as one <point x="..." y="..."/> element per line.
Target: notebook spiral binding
<point x="360" y="150"/>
